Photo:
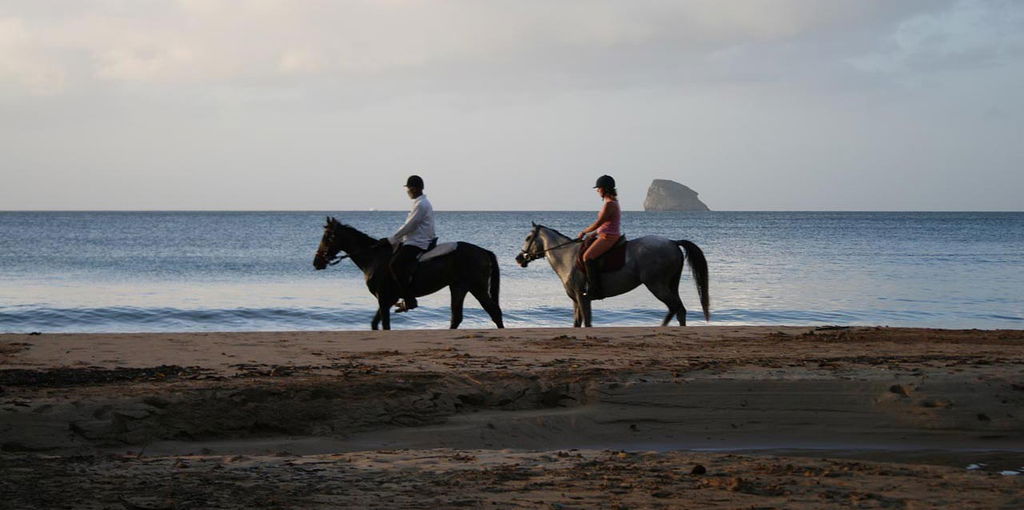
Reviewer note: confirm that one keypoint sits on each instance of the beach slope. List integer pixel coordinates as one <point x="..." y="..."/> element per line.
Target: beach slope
<point x="632" y="417"/>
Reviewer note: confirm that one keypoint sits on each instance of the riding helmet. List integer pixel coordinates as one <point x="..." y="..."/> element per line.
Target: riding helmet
<point x="606" y="182"/>
<point x="414" y="181"/>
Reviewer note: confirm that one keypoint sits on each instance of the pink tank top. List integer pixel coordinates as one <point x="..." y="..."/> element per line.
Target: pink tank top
<point x="613" y="226"/>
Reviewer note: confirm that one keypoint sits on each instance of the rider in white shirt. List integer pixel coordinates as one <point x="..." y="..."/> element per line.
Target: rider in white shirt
<point x="412" y="238"/>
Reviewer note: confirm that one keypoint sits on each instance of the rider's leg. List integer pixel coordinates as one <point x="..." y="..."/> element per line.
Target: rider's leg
<point x="402" y="265"/>
<point x="600" y="246"/>
<point x="594" y="290"/>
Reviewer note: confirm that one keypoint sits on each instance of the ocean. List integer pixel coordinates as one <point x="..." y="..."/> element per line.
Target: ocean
<point x="252" y="271"/>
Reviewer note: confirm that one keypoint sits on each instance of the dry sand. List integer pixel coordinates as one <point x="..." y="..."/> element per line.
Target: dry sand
<point x="552" y="418"/>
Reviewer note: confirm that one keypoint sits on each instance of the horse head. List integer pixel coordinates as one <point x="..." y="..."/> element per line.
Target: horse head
<point x="532" y="248"/>
<point x="329" y="245"/>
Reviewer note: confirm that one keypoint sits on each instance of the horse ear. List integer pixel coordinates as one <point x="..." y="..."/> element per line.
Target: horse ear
<point x="533" y="223"/>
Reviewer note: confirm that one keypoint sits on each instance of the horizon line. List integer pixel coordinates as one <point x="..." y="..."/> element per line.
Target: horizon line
<point x="501" y="210"/>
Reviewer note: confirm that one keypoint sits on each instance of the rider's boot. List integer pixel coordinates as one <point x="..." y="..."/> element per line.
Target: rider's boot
<point x="409" y="303"/>
<point x="594" y="290"/>
<point x="404" y="279"/>
<point x="408" y="298"/>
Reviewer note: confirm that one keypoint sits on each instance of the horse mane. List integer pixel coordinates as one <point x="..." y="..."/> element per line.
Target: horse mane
<point x="553" y="230"/>
<point x="355" y="232"/>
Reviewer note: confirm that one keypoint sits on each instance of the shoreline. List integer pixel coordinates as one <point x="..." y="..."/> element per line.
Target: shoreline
<point x="927" y="402"/>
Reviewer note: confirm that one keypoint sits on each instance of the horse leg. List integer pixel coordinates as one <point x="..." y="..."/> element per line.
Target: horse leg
<point x="577" y="314"/>
<point x="681" y="314"/>
<point x="669" y="296"/>
<point x="384" y="310"/>
<point x="489" y="305"/>
<point x="375" y="323"/>
<point x="586" y="312"/>
<point x="458" y="297"/>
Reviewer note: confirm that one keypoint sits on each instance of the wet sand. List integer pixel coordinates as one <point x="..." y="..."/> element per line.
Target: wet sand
<point x="555" y="418"/>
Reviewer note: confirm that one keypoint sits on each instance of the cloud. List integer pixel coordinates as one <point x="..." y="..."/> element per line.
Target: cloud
<point x="144" y="64"/>
<point x="22" y="61"/>
<point x="301" y="61"/>
<point x="218" y="41"/>
<point x="969" y="33"/>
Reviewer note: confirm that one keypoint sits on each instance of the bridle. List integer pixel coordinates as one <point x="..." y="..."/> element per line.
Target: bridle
<point x="322" y="251"/>
<point x="336" y="259"/>
<point x="529" y="255"/>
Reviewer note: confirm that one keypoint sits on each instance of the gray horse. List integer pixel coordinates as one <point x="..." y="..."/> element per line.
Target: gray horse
<point x="651" y="260"/>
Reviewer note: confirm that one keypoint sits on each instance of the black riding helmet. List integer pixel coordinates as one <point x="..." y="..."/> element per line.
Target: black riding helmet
<point x="414" y="181"/>
<point x="606" y="182"/>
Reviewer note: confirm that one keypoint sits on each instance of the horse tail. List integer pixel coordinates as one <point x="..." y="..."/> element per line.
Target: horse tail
<point x="495" y="279"/>
<point x="699" y="269"/>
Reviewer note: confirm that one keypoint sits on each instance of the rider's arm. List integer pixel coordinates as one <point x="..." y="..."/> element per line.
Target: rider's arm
<point x="416" y="216"/>
<point x="602" y="217"/>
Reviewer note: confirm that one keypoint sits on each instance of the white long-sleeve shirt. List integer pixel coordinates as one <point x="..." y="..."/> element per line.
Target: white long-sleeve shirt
<point x="418" y="229"/>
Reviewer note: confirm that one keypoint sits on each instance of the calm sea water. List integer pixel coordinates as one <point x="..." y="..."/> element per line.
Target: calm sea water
<point x="246" y="271"/>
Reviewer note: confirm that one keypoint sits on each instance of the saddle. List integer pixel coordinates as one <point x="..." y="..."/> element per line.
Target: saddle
<point x="435" y="250"/>
<point x="611" y="260"/>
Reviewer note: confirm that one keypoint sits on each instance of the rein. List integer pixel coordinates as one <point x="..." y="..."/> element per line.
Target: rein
<point x="337" y="260"/>
<point x="567" y="243"/>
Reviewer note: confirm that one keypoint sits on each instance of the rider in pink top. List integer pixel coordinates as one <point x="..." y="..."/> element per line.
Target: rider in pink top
<point x="609" y="229"/>
<point x="613" y="224"/>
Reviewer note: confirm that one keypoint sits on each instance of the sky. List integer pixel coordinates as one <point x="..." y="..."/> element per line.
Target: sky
<point x="510" y="105"/>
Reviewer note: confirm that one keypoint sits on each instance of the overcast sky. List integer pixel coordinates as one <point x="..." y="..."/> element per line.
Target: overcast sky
<point x="329" y="105"/>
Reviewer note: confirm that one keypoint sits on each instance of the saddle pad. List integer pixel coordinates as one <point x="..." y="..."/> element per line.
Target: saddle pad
<point x="612" y="260"/>
<point x="438" y="251"/>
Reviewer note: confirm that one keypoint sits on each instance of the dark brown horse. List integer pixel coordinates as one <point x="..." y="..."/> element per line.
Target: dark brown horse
<point x="463" y="268"/>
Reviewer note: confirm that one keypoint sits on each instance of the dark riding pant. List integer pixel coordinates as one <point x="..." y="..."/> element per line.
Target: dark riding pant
<point x="402" y="265"/>
<point x="598" y="247"/>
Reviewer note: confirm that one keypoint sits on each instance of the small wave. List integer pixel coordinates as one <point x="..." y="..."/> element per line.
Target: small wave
<point x="136" y="319"/>
<point x="22" y="318"/>
<point x="1004" y="318"/>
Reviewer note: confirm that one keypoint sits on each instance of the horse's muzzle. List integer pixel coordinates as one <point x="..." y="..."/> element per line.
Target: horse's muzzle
<point x="319" y="262"/>
<point x="522" y="260"/>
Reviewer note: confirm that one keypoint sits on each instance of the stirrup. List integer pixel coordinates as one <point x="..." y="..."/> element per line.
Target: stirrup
<point x="591" y="293"/>
<point x="402" y="306"/>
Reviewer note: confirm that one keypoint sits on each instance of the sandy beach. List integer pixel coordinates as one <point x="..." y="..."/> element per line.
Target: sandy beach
<point x="710" y="417"/>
